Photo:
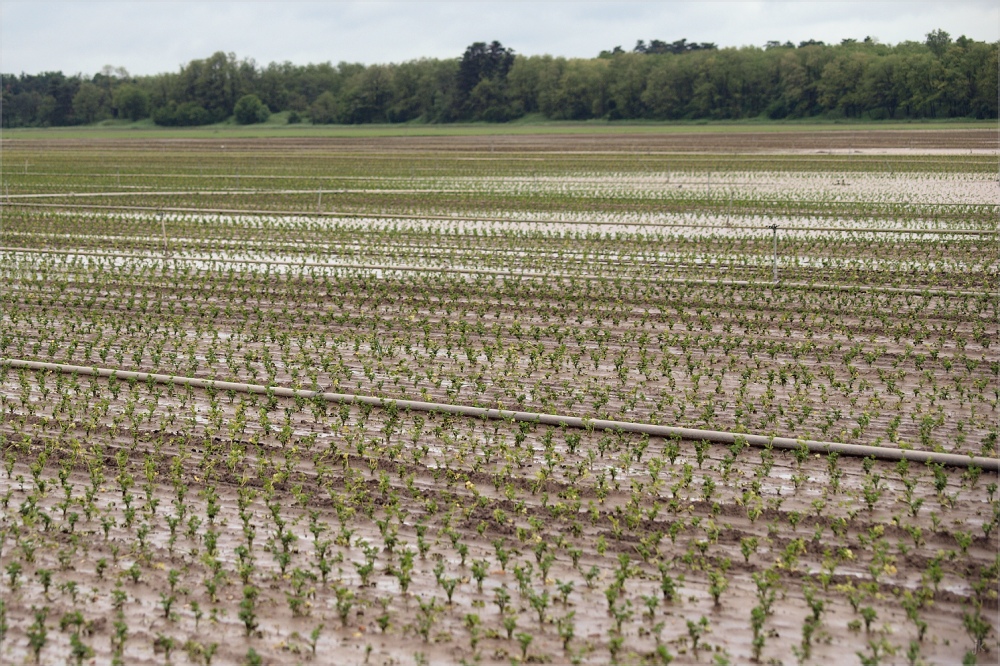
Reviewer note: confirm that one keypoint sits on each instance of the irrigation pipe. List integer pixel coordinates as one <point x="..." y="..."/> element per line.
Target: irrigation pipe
<point x="804" y="286"/>
<point x="445" y="218"/>
<point x="718" y="437"/>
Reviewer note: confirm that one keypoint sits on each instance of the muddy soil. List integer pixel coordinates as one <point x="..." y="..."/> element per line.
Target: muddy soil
<point x="532" y="511"/>
<point x="151" y="524"/>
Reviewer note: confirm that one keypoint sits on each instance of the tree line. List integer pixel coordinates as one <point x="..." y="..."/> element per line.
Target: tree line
<point x="937" y="78"/>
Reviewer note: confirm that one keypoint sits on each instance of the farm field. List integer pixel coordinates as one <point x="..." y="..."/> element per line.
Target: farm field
<point x="277" y="400"/>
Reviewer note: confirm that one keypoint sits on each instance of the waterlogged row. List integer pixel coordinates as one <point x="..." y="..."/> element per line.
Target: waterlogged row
<point x="362" y="259"/>
<point x="562" y="207"/>
<point x="485" y="223"/>
<point x="831" y="187"/>
<point x="858" y="257"/>
<point x="24" y="221"/>
<point x="547" y="188"/>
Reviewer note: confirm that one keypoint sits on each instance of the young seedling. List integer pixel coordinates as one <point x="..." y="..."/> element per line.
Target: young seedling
<point x="566" y="628"/>
<point x="524" y="640"/>
<point x="757" y="617"/>
<point x="565" y="589"/>
<point x="37" y="633"/>
<point x="717" y="585"/>
<point x="4" y="627"/>
<point x="501" y="597"/>
<point x="345" y="602"/>
<point x="314" y="638"/>
<point x="14" y="573"/>
<point x="977" y="626"/>
<point x="479" y="571"/>
<point x="869" y="615"/>
<point x="247" y="613"/>
<point x="695" y="631"/>
<point x="472" y="622"/>
<point x="539" y="602"/>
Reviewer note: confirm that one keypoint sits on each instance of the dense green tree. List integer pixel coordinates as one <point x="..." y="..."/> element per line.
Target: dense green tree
<point x="38" y="100"/>
<point x="657" y="47"/>
<point x="249" y="110"/>
<point x="483" y="62"/>
<point x="324" y="110"/>
<point x="581" y="91"/>
<point x="131" y="102"/>
<point x="422" y="89"/>
<point x="366" y="95"/>
<point x="91" y="103"/>
<point x="182" y="115"/>
<point x="627" y="76"/>
<point x="880" y="88"/>
<point x="838" y="85"/>
<point x="62" y="89"/>
<point x="938" y="42"/>
<point x="669" y="86"/>
<point x="26" y="109"/>
<point x="272" y="87"/>
<point x="412" y="92"/>
<point x="216" y="83"/>
<point x="983" y="67"/>
<point x="791" y="92"/>
<point x="524" y="82"/>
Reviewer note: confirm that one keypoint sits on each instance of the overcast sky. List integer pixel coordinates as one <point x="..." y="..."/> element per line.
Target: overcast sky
<point x="153" y="36"/>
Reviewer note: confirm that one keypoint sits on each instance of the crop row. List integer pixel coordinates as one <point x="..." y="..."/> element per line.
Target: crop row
<point x="339" y="160"/>
<point x="843" y="257"/>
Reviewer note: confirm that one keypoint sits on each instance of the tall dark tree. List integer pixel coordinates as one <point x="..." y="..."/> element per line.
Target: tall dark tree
<point x="483" y="63"/>
<point x="938" y="42"/>
<point x="63" y="89"/>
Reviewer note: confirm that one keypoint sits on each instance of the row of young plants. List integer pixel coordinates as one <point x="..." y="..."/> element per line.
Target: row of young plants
<point x="745" y="188"/>
<point x="668" y="247"/>
<point x="114" y="162"/>
<point x="555" y="206"/>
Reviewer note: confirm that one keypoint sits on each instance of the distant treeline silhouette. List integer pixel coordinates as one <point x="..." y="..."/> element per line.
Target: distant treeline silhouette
<point x="937" y="78"/>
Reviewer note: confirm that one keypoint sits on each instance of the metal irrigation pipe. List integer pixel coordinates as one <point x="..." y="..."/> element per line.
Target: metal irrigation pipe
<point x="804" y="286"/>
<point x="719" y="437"/>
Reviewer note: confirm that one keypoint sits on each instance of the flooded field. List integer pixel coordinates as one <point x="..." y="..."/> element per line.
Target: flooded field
<point x="834" y="293"/>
